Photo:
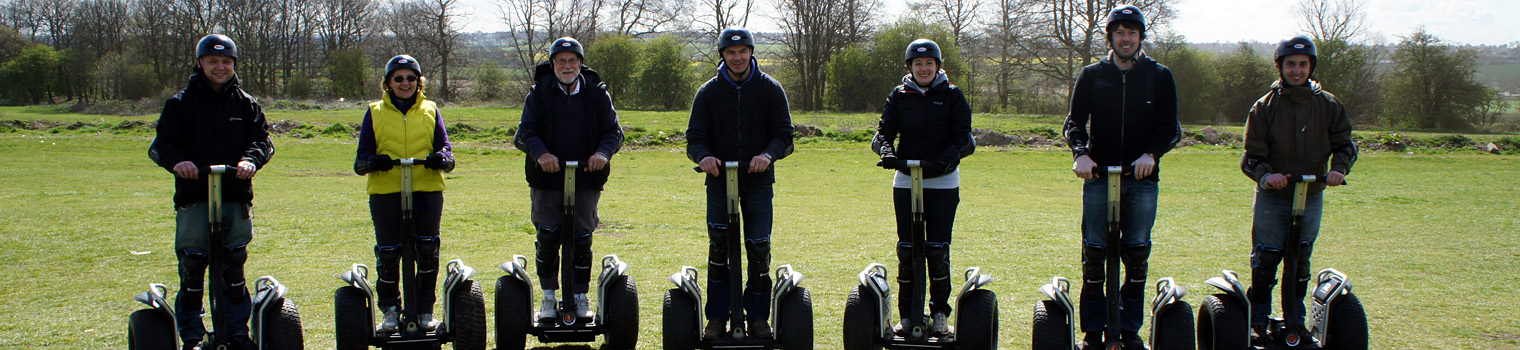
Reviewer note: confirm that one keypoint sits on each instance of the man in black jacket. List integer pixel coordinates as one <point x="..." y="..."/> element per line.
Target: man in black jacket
<point x="1123" y="113"/>
<point x="212" y="122"/>
<point x="739" y="115"/>
<point x="568" y="116"/>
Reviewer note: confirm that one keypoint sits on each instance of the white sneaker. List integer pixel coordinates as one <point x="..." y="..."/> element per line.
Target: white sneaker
<point x="549" y="311"/>
<point x="583" y="307"/>
<point x="941" y="325"/>
<point x="391" y="322"/>
<point x="427" y="322"/>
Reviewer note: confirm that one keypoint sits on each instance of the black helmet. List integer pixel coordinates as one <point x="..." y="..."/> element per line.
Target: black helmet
<point x="402" y="62"/>
<point x="1297" y="45"/>
<point x="216" y="44"/>
<point x="735" y="36"/>
<point x="1125" y="12"/>
<point x="922" y="48"/>
<point x="567" y="44"/>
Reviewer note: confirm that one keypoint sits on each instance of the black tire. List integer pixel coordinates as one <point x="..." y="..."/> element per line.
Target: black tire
<point x="1348" y="324"/>
<point x="1174" y="328"/>
<point x="976" y="324"/>
<point x="1050" y="329"/>
<point x="282" y="327"/>
<point x="150" y="329"/>
<point x="1223" y="324"/>
<point x="679" y="321"/>
<point x="622" y="314"/>
<point x="511" y="314"/>
<point x="795" y="322"/>
<point x="862" y="330"/>
<point x="352" y="318"/>
<point x="468" y="321"/>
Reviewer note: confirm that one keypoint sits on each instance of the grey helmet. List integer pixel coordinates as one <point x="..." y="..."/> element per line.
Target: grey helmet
<point x="567" y="44"/>
<point x="402" y="62"/>
<point x="735" y="36"/>
<point x="1121" y="13"/>
<point x="216" y="44"/>
<point x="923" y="48"/>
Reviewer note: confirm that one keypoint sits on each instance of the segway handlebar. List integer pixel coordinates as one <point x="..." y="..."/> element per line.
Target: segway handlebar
<point x="408" y="161"/>
<point x="1310" y="179"/>
<point x="1101" y="171"/>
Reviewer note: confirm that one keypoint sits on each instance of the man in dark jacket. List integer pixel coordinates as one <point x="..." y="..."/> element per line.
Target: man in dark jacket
<point x="212" y="122"/>
<point x="567" y="117"/>
<point x="1293" y="130"/>
<point x="739" y="115"/>
<point x="1123" y="113"/>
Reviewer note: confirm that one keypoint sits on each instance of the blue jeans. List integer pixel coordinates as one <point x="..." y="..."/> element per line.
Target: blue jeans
<point x="756" y="215"/>
<point x="1137" y="214"/>
<point x="1269" y="234"/>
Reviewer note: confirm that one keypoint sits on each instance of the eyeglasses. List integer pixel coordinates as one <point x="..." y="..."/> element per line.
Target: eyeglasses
<point x="406" y="78"/>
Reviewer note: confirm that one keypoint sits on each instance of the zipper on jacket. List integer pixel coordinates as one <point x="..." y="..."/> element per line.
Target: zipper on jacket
<point x="1123" y="109"/>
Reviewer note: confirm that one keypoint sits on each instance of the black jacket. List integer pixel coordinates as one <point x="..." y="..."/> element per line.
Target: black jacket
<point x="932" y="126"/>
<point x="208" y="127"/>
<point x="572" y="127"/>
<point x="736" y="121"/>
<point x="1130" y="113"/>
<point x="1296" y="131"/>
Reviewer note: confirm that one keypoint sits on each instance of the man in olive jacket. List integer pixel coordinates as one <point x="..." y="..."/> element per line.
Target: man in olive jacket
<point x="212" y="122"/>
<point x="1293" y="130"/>
<point x="741" y="115"/>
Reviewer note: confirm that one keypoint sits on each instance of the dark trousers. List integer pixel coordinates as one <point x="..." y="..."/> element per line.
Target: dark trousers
<point x="427" y="212"/>
<point x="548" y="217"/>
<point x="756" y="214"/>
<point x="193" y="249"/>
<point x="939" y="222"/>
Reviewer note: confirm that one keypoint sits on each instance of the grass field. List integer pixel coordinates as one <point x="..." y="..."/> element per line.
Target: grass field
<point x="1431" y="241"/>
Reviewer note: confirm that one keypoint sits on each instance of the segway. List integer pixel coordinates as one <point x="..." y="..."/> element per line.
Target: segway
<point x="791" y="305"/>
<point x="617" y="302"/>
<point x="463" y="318"/>
<point x="275" y="323"/>
<point x="1055" y="318"/>
<point x="867" y="311"/>
<point x="1336" y="318"/>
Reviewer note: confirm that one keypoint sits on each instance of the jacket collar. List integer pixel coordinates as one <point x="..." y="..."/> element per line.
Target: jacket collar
<point x="199" y="81"/>
<point x="1141" y="58"/>
<point x="939" y="79"/>
<point x="754" y="67"/>
<point x="392" y="104"/>
<point x="1301" y="93"/>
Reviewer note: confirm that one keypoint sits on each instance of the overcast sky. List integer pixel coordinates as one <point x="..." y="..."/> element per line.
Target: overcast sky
<point x="1457" y="21"/>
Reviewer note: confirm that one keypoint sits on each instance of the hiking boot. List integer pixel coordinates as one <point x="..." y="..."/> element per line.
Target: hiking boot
<point x="427" y="323"/>
<point x="1092" y="340"/>
<point x="714" y="330"/>
<point x="242" y="342"/>
<point x="391" y="322"/>
<point x="1259" y="333"/>
<point x="548" y="312"/>
<point x="759" y="329"/>
<point x="1130" y="340"/>
<point x="941" y="326"/>
<point x="583" y="307"/>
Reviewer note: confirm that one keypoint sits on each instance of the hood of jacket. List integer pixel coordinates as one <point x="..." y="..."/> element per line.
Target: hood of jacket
<point x="543" y="76"/>
<point x="754" y="67"/>
<point x="1140" y="58"/>
<point x="1299" y="94"/>
<point x="939" y="79"/>
<point x="198" y="81"/>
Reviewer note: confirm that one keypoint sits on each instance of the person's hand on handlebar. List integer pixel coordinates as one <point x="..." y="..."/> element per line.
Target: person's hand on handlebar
<point x="548" y="162"/>
<point x="1335" y="178"/>
<point x="186" y="170"/>
<point x="709" y="165"/>
<point x="1144" y="166"/>
<point x="1083" y="167"/>
<point x="759" y="163"/>
<point x="245" y="170"/>
<point x="1274" y="181"/>
<point x="597" y="162"/>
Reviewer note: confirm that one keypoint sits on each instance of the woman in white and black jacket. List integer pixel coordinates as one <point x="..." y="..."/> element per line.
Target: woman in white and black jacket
<point x="926" y="119"/>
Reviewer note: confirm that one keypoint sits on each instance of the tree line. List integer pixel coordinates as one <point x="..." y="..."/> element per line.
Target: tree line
<point x="1011" y="56"/>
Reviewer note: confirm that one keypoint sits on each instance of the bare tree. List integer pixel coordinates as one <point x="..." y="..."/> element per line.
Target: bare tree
<point x="1342" y="20"/>
<point x="23" y="16"/>
<point x="430" y="29"/>
<point x="639" y="17"/>
<point x="959" y="15"/>
<point x="1061" y="36"/>
<point x="1347" y="62"/>
<point x="1002" y="29"/>
<point x="536" y="23"/>
<point x="725" y="14"/>
<point x="813" y="30"/>
<point x="54" y="16"/>
<point x="344" y="23"/>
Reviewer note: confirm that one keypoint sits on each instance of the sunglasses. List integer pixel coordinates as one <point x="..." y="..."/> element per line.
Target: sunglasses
<point x="406" y="78"/>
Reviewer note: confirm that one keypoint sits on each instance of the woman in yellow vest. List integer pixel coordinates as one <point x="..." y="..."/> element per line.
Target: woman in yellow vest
<point x="404" y="124"/>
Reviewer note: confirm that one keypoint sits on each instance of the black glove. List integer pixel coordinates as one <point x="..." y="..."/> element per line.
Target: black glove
<point x="436" y="161"/>
<point x="889" y="161"/>
<point x="380" y="162"/>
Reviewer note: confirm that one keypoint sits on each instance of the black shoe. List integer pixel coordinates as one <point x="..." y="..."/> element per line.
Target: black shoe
<point x="715" y="329"/>
<point x="1130" y="340"/>
<point x="242" y="342"/>
<point x="192" y="344"/>
<point x="1092" y="340"/>
<point x="1259" y="333"/>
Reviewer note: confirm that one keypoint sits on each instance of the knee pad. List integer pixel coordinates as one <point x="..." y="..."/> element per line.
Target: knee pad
<point x="387" y="262"/>
<point x="583" y="248"/>
<point x="1263" y="255"/>
<point x="427" y="254"/>
<point x="1136" y="264"/>
<point x="1092" y="264"/>
<point x="192" y="270"/>
<point x="234" y="259"/>
<point x="759" y="253"/>
<point x="904" y="261"/>
<point x="1304" y="270"/>
<point x="938" y="254"/>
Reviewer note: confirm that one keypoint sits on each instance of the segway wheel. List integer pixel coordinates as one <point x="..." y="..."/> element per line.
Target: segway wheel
<point x="1174" y="328"/>
<point x="679" y="321"/>
<point x="1223" y="324"/>
<point x="1348" y="324"/>
<point x="149" y="329"/>
<point x="622" y="314"/>
<point x="795" y="323"/>
<point x="352" y="318"/>
<point x="468" y="318"/>
<point x="976" y="325"/>
<point x="282" y="327"/>
<point x="861" y="328"/>
<point x="1051" y="332"/>
<point x="511" y="314"/>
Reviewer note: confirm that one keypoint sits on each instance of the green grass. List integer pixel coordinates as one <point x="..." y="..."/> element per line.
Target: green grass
<point x="1429" y="240"/>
